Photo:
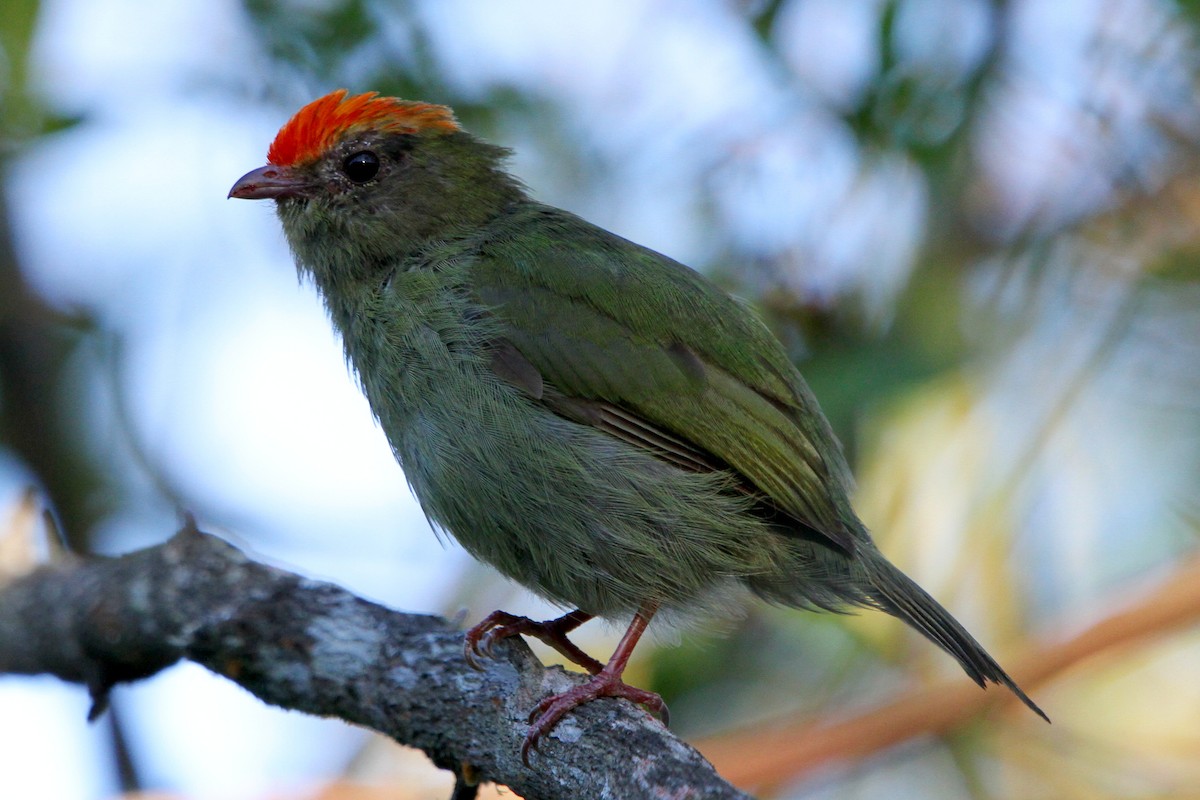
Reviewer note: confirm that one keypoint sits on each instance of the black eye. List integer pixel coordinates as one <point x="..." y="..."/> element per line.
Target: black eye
<point x="361" y="166"/>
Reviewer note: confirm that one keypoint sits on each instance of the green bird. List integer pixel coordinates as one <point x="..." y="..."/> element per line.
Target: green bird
<point x="597" y="421"/>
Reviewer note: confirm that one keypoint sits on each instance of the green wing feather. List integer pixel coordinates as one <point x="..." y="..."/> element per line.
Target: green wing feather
<point x="640" y="345"/>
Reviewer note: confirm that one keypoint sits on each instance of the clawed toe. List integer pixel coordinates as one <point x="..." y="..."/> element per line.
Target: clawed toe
<point x="606" y="678"/>
<point x="481" y="639"/>
<point x="546" y="715"/>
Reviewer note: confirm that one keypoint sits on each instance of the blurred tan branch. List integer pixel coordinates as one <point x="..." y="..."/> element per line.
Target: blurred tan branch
<point x="788" y="749"/>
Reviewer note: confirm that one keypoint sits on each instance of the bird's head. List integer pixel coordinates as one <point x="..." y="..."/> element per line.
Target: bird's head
<point x="364" y="178"/>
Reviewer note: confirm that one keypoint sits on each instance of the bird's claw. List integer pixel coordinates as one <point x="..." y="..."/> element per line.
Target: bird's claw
<point x="528" y="745"/>
<point x="546" y="715"/>
<point x="481" y="639"/>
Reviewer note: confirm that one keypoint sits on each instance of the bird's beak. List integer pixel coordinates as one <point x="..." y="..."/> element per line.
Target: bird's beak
<point x="268" y="182"/>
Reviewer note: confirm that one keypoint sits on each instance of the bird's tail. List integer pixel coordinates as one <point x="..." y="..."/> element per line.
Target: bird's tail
<point x="897" y="594"/>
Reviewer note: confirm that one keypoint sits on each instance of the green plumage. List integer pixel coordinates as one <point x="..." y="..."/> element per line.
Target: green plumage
<point x="597" y="421"/>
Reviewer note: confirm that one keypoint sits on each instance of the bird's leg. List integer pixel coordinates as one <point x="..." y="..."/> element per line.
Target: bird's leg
<point x="604" y="683"/>
<point x="501" y="625"/>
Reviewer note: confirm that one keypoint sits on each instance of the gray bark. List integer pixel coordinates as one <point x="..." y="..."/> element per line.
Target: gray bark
<point x="314" y="647"/>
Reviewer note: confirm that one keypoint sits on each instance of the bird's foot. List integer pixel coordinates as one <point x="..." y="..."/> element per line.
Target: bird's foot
<point x="551" y="710"/>
<point x="481" y="639"/>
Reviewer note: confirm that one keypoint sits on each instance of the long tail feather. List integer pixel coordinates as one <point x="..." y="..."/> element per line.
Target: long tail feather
<point x="898" y="595"/>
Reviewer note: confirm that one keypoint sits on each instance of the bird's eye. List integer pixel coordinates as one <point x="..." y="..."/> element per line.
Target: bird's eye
<point x="361" y="167"/>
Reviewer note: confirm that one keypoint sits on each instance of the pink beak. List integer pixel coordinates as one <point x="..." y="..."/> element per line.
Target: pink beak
<point x="268" y="182"/>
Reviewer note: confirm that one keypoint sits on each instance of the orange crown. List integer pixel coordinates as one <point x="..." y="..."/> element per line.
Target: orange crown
<point x="325" y="121"/>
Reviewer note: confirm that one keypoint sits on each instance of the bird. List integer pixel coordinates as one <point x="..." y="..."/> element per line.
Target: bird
<point x="597" y="421"/>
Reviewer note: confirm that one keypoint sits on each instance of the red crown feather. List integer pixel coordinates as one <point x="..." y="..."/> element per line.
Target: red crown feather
<point x="325" y="121"/>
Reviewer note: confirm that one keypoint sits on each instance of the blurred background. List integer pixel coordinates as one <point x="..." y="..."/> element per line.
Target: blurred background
<point x="975" y="224"/>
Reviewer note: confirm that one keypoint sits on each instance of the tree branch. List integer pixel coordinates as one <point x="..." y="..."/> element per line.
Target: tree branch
<point x="314" y="647"/>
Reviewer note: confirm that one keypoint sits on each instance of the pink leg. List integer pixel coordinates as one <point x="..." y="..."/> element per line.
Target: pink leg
<point x="501" y="625"/>
<point x="604" y="683"/>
